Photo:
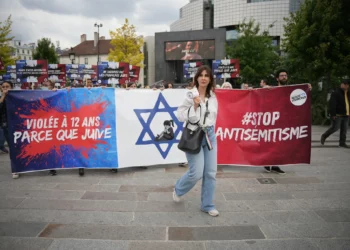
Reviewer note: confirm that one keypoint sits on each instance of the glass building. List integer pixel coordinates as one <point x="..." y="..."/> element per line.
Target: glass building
<point x="206" y="14"/>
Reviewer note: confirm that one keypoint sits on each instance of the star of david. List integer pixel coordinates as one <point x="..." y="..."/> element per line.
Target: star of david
<point x="147" y="123"/>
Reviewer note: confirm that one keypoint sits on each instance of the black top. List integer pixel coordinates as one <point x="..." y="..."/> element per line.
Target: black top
<point x="3" y="114"/>
<point x="337" y="103"/>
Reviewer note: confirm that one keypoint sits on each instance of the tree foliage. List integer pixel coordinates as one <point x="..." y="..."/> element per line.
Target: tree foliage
<point x="258" y="57"/>
<point x="45" y="50"/>
<point x="5" y="50"/>
<point x="317" y="40"/>
<point x="126" y="45"/>
<point x="317" y="44"/>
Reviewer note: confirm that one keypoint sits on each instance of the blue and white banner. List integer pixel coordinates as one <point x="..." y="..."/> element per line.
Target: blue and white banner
<point x="96" y="128"/>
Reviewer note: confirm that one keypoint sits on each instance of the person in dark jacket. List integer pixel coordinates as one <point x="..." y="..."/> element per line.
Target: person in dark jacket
<point x="339" y="111"/>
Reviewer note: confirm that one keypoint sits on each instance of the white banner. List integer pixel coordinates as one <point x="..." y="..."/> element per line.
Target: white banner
<point x="147" y="127"/>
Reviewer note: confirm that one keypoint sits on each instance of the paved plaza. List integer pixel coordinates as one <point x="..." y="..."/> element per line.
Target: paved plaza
<point x="308" y="208"/>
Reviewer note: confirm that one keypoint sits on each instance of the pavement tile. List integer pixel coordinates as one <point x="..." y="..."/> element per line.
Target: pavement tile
<point x="146" y="188"/>
<point x="115" y="196"/>
<point x="323" y="194"/>
<point x="327" y="203"/>
<point x="87" y="187"/>
<point x="222" y="206"/>
<point x="86" y="244"/>
<point x="309" y="230"/>
<point x="104" y="232"/>
<point x="297" y="180"/>
<point x="138" y="181"/>
<point x="289" y="217"/>
<point x="16" y="243"/>
<point x="63" y="216"/>
<point x="18" y="185"/>
<point x="79" y="205"/>
<point x="258" y="196"/>
<point x="10" y="202"/>
<point x="196" y="218"/>
<point x="285" y="244"/>
<point x="69" y="177"/>
<point x="191" y="196"/>
<point x="169" y="245"/>
<point x="43" y="194"/>
<point x="214" y="233"/>
<point x="20" y="229"/>
<point x="333" y="244"/>
<point x="334" y="215"/>
<point x="160" y="206"/>
<point x="239" y="175"/>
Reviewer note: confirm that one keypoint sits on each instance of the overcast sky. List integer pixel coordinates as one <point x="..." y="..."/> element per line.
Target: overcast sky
<point x="65" y="21"/>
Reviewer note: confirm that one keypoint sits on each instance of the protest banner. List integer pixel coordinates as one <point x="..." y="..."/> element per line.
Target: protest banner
<point x="117" y="128"/>
<point x="31" y="71"/>
<point x="57" y="73"/>
<point x="72" y="71"/>
<point x="11" y="71"/>
<point x="190" y="69"/>
<point x="113" y="73"/>
<point x="87" y="71"/>
<point x="264" y="127"/>
<point x="226" y="68"/>
<point x="134" y="73"/>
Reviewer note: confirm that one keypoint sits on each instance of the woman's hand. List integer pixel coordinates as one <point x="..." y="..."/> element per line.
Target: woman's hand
<point x="196" y="102"/>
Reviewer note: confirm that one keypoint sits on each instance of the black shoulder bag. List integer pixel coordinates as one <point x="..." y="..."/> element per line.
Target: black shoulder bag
<point x="191" y="140"/>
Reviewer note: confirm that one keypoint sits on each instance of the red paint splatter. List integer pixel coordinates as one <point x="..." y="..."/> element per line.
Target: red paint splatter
<point x="34" y="149"/>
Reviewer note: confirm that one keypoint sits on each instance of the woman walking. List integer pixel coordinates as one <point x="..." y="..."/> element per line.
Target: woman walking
<point x="201" y="111"/>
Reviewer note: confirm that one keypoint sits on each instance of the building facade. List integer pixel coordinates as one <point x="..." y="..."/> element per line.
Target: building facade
<point x="196" y="15"/>
<point x="88" y="51"/>
<point x="229" y="14"/>
<point x="22" y="51"/>
<point x="149" y="60"/>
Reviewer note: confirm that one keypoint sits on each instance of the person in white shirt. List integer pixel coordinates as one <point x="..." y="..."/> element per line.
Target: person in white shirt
<point x="201" y="110"/>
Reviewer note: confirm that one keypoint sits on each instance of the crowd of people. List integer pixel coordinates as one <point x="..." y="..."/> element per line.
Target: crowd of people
<point x="201" y="111"/>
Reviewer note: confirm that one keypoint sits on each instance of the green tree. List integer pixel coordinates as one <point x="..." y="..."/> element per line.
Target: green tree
<point x="317" y="45"/>
<point x="126" y="45"/>
<point x="5" y="50"/>
<point x="258" y="57"/>
<point x="46" y="51"/>
<point x="317" y="40"/>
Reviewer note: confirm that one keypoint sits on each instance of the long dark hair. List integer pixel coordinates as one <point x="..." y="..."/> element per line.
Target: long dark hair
<point x="169" y="123"/>
<point x="211" y="85"/>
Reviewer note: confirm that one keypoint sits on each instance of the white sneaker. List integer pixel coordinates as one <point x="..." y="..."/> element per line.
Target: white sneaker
<point x="213" y="212"/>
<point x="15" y="176"/>
<point x="175" y="197"/>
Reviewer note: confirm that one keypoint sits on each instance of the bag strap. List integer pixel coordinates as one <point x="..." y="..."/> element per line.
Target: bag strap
<point x="188" y="116"/>
<point x="206" y="112"/>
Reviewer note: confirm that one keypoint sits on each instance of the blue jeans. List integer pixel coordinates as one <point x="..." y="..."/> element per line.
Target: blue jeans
<point x="201" y="166"/>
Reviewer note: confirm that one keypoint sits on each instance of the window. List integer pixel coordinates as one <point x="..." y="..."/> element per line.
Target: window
<point x="25" y="58"/>
<point x="86" y="61"/>
<point x="17" y="51"/>
<point x="22" y="51"/>
<point x="231" y="35"/>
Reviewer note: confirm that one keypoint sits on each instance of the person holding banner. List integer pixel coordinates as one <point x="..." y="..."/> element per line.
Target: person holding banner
<point x="282" y="80"/>
<point x="5" y="87"/>
<point x="200" y="108"/>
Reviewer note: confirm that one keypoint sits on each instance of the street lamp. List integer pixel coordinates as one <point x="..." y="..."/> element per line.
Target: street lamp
<point x="98" y="40"/>
<point x="72" y="55"/>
